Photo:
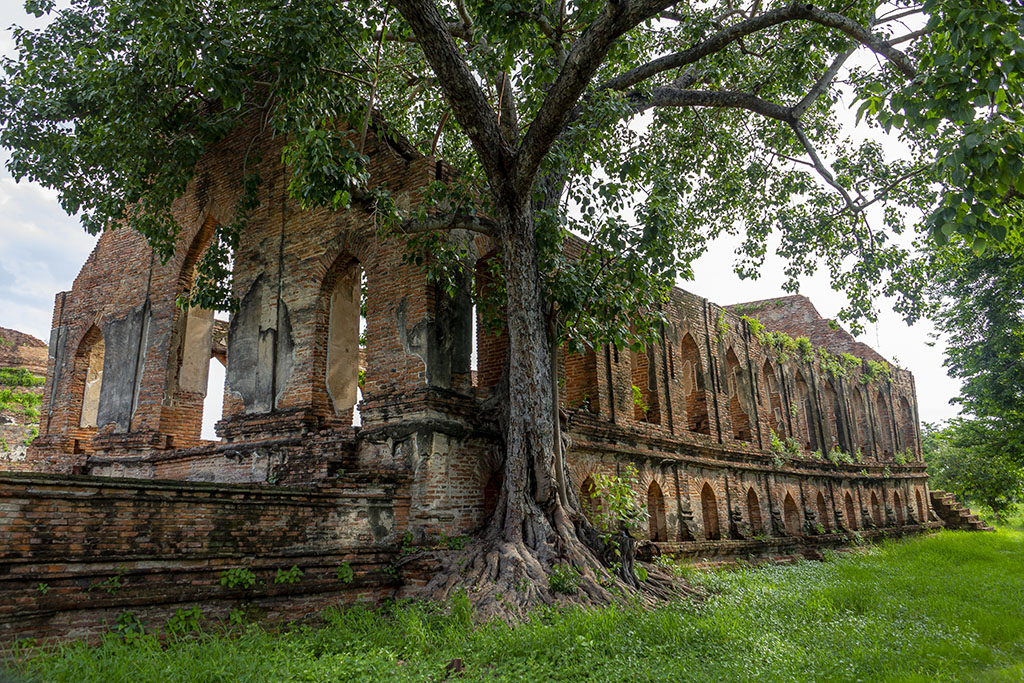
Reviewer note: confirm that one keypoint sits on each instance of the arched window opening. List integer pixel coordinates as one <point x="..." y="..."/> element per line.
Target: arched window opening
<point x="907" y="424"/>
<point x="885" y="426"/>
<point x="344" y="301"/>
<point x="824" y="518"/>
<point x="692" y="375"/>
<point x="709" y="512"/>
<point x="656" y="513"/>
<point x="897" y="506"/>
<point x="791" y="516"/>
<point x="754" y="512"/>
<point x="805" y="414"/>
<point x="644" y="391"/>
<point x="773" y="399"/>
<point x="922" y="516"/>
<point x="90" y="358"/>
<point x="876" y="510"/>
<point x="736" y="378"/>
<point x="213" y="403"/>
<point x="851" y="512"/>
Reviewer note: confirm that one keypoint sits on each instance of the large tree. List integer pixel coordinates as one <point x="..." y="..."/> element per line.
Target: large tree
<point x="646" y="126"/>
<point x="979" y="300"/>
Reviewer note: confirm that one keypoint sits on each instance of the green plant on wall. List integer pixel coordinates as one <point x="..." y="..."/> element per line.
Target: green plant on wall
<point x="344" y="573"/>
<point x="873" y="371"/>
<point x="238" y="577"/>
<point x="804" y="350"/>
<point x="638" y="399"/>
<point x="292" y="575"/>
<point x="721" y="327"/>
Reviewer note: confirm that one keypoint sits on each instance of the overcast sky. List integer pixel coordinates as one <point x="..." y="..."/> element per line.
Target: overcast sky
<point x="42" y="250"/>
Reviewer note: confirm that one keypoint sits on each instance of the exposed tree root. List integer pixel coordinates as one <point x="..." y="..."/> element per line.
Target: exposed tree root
<point x="507" y="579"/>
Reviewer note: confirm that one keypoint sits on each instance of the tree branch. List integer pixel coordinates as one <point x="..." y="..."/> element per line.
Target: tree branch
<point x="793" y="12"/>
<point x="821" y="168"/>
<point x="728" y="99"/>
<point x="582" y="62"/>
<point x="450" y="221"/>
<point x="821" y="84"/>
<point x="468" y="101"/>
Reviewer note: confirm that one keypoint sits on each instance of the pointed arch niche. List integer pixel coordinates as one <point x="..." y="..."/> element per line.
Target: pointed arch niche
<point x="709" y="513"/>
<point x="656" y="513"/>
<point x="734" y="370"/>
<point x="692" y="376"/>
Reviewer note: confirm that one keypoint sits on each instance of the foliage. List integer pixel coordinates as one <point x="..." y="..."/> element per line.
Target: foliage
<point x="962" y="458"/>
<point x="619" y="508"/>
<point x="722" y="327"/>
<point x="887" y="613"/>
<point x="980" y="314"/>
<point x="185" y="621"/>
<point x="873" y="371"/>
<point x="842" y="365"/>
<point x="804" y="350"/>
<point x="111" y="584"/>
<point x="638" y="399"/>
<point x="564" y="579"/>
<point x="238" y="577"/>
<point x="20" y="377"/>
<point x="344" y="573"/>
<point x="291" y="575"/>
<point x="22" y="402"/>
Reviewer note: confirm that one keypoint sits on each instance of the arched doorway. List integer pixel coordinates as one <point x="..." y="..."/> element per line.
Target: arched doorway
<point x="791" y="516"/>
<point x="709" y="511"/>
<point x="656" y="513"/>
<point x="754" y="512"/>
<point x="897" y="506"/>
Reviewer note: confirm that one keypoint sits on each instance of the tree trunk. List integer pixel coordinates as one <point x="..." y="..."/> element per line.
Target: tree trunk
<point x="529" y="429"/>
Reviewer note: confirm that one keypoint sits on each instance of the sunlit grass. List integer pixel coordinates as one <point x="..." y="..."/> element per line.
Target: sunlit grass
<point x="945" y="607"/>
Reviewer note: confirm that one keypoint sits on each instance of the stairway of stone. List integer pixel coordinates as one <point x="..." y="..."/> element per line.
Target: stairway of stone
<point x="954" y="515"/>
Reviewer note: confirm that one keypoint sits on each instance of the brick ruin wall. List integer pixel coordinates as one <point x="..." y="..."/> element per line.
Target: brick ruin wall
<point x="126" y="383"/>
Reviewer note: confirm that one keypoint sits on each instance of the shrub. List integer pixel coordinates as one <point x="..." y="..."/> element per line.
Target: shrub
<point x="239" y="577"/>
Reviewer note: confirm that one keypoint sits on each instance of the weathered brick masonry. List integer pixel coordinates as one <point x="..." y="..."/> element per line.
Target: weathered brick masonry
<point x="291" y="475"/>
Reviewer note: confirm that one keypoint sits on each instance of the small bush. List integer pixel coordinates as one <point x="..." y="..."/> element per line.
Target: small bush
<point x="293" y="575"/>
<point x="239" y="577"/>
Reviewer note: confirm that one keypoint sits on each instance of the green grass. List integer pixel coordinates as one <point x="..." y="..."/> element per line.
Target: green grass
<point x="945" y="607"/>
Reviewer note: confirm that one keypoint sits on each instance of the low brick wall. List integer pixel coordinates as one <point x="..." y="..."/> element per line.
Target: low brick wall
<point x="77" y="551"/>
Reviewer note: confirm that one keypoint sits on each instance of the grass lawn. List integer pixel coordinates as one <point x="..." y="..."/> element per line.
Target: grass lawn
<point x="944" y="607"/>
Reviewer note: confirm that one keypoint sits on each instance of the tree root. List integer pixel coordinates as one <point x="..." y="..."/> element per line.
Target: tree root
<point x="507" y="579"/>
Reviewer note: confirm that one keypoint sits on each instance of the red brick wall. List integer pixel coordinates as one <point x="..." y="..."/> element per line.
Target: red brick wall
<point x="151" y="547"/>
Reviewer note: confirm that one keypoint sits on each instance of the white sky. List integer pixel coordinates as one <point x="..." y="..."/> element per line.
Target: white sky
<point x="42" y="250"/>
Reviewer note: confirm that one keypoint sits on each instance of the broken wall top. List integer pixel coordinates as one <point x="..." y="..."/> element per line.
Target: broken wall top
<point x="796" y="316"/>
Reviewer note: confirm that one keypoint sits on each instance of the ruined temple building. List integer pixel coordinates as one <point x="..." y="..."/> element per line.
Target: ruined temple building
<point x="748" y="442"/>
